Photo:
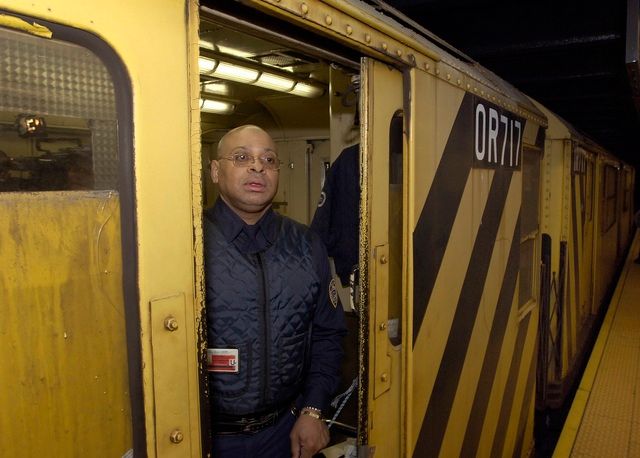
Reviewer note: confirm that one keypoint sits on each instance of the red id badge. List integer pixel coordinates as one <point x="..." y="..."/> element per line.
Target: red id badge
<point x="222" y="360"/>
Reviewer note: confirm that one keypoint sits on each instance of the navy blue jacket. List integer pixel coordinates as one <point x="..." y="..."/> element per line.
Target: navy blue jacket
<point x="337" y="217"/>
<point x="271" y="296"/>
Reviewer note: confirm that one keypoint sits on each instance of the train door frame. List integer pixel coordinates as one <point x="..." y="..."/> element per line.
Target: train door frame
<point x="228" y="18"/>
<point x="382" y="405"/>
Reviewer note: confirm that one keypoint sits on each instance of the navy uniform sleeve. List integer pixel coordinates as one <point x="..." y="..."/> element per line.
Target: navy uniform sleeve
<point x="326" y="338"/>
<point x="322" y="221"/>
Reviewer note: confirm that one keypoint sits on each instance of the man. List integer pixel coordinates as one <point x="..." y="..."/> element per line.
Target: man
<point x="274" y="323"/>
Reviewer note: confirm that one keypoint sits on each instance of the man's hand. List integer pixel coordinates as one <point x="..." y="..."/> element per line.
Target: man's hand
<point x="308" y="436"/>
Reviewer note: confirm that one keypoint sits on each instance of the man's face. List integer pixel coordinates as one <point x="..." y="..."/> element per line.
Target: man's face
<point x="249" y="189"/>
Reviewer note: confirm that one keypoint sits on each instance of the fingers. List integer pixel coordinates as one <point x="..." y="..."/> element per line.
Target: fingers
<point x="295" y="446"/>
<point x="308" y="437"/>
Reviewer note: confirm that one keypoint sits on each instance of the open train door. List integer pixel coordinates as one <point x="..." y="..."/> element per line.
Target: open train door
<point x="381" y="257"/>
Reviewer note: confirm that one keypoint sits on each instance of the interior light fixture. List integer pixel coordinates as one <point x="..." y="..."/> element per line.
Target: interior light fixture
<point x="206" y="65"/>
<point x="234" y="51"/>
<point x="237" y="73"/>
<point x="307" y="90"/>
<point x="216" y="106"/>
<point x="258" y="77"/>
<point x="207" y="44"/>
<point x="215" y="87"/>
<point x="275" y="82"/>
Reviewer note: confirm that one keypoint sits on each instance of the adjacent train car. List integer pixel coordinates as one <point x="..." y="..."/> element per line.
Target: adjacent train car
<point x="585" y="225"/>
<point x="110" y="113"/>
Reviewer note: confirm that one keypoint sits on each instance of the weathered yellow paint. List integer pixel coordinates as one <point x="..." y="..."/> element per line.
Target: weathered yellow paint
<point x="470" y="376"/>
<point x="380" y="317"/>
<point x="589" y="250"/>
<point x="163" y="75"/>
<point x="354" y="26"/>
<point x="430" y="130"/>
<point x="63" y="376"/>
<point x="377" y="37"/>
<point x="22" y="25"/>
<point x="381" y="99"/>
<point x="169" y="344"/>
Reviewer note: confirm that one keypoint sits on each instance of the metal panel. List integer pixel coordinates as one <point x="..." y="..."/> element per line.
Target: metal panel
<point x="466" y="376"/>
<point x="64" y="375"/>
<point x="382" y="359"/>
<point x="170" y="381"/>
<point x="382" y="97"/>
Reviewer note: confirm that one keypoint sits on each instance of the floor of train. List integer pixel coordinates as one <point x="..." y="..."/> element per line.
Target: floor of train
<point x="603" y="417"/>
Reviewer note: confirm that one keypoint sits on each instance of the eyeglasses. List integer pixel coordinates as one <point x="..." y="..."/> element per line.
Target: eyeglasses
<point x="268" y="161"/>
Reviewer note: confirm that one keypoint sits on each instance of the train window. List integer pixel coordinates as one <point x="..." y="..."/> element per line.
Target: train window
<point x="57" y="116"/>
<point x="529" y="224"/>
<point x="396" y="164"/>
<point x="609" y="191"/>
<point x="526" y="271"/>
<point x="588" y="194"/>
<point x="530" y="193"/>
<point x="579" y="174"/>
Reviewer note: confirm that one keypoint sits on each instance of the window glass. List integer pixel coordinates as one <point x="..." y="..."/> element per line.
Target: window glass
<point x="609" y="197"/>
<point x="57" y="116"/>
<point x="395" y="229"/>
<point x="589" y="191"/>
<point x="526" y="271"/>
<point x="530" y="192"/>
<point x="529" y="223"/>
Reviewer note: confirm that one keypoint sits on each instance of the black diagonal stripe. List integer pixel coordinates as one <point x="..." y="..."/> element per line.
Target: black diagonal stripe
<point x="510" y="389"/>
<point x="526" y="405"/>
<point x="492" y="354"/>
<point x="433" y="228"/>
<point x="435" y="421"/>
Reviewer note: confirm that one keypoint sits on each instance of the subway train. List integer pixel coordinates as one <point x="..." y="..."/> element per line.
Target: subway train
<point x="489" y="230"/>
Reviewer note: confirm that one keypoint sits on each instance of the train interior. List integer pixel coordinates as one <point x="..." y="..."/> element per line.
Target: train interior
<point x="309" y="105"/>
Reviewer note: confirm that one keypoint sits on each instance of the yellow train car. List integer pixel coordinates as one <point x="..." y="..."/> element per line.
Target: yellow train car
<point x="110" y="113"/>
<point x="585" y="224"/>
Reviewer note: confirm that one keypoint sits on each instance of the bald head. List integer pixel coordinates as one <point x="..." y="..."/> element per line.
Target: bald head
<point x="224" y="143"/>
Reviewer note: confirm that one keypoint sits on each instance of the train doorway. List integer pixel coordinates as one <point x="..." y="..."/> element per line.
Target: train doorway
<point x="312" y="101"/>
<point x="307" y="99"/>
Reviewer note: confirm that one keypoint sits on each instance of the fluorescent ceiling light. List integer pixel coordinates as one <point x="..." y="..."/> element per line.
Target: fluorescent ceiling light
<point x="307" y="90"/>
<point x="233" y="51"/>
<point x="206" y="65"/>
<point x="248" y="75"/>
<point x="237" y="73"/>
<point x="216" y="87"/>
<point x="278" y="83"/>
<point x="206" y="44"/>
<point x="216" y="106"/>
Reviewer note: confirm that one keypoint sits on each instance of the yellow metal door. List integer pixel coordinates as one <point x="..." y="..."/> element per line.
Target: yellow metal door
<point x="64" y="376"/>
<point x="97" y="274"/>
<point x="382" y="102"/>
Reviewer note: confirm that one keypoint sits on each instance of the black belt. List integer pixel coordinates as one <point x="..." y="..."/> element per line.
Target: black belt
<point x="249" y="424"/>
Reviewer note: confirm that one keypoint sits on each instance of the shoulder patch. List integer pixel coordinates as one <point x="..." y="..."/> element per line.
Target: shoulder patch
<point x="322" y="200"/>
<point x="333" y="293"/>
